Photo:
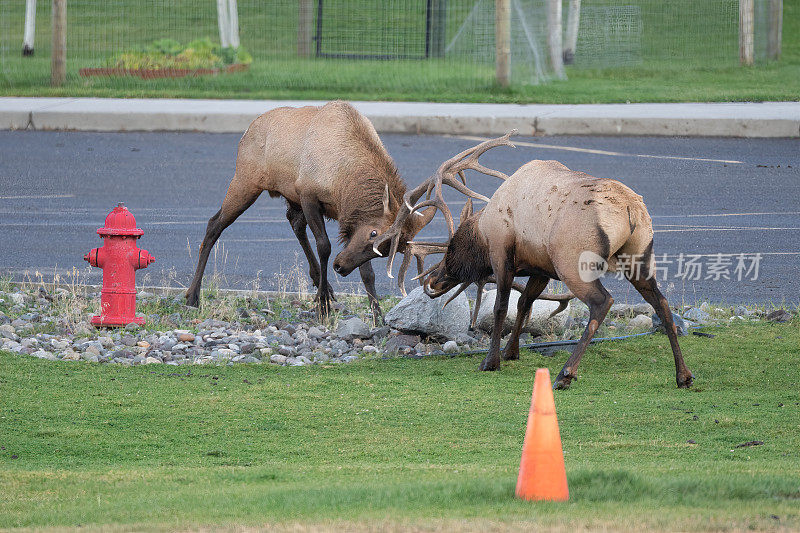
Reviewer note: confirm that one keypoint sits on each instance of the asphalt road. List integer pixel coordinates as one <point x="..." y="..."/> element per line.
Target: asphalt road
<point x="706" y="197"/>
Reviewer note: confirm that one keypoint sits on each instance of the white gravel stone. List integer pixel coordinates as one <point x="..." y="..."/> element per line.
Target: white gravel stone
<point x="641" y="322"/>
<point x="450" y="347"/>
<point x="71" y="356"/>
<point x="278" y="359"/>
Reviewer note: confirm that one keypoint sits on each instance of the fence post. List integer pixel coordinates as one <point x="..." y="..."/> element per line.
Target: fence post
<point x="573" y="21"/>
<point x="304" y="24"/>
<point x="554" y="39"/>
<point x="223" y="22"/>
<point x="30" y="28"/>
<point x="233" y="19"/>
<point x="58" y="63"/>
<point x="775" y="29"/>
<point x="502" y="31"/>
<point x="438" y="27"/>
<point x="746" y="30"/>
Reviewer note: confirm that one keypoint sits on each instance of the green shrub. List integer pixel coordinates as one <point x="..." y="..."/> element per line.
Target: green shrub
<point x="169" y="53"/>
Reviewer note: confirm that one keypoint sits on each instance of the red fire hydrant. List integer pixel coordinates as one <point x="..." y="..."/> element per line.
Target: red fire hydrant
<point x="120" y="259"/>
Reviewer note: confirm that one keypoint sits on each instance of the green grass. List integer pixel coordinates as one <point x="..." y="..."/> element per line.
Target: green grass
<point x="417" y="443"/>
<point x="665" y="75"/>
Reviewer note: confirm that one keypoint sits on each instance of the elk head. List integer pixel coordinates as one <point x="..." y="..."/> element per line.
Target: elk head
<point x="361" y="235"/>
<point x="395" y="237"/>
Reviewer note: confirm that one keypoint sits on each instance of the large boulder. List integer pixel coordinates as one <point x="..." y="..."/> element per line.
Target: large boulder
<point x="418" y="313"/>
<point x="540" y="322"/>
<point x="353" y="328"/>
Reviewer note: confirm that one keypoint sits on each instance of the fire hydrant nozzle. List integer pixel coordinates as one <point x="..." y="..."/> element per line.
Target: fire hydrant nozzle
<point x="120" y="258"/>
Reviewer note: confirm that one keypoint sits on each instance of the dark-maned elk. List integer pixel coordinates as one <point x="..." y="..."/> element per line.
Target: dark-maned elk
<point x="420" y="250"/>
<point x="549" y="222"/>
<point x="325" y="161"/>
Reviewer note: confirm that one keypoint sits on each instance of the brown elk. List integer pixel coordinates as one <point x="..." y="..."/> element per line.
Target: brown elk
<point x="327" y="162"/>
<point x="542" y="222"/>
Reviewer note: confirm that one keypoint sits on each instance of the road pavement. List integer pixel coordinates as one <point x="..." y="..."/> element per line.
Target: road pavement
<point x="707" y="196"/>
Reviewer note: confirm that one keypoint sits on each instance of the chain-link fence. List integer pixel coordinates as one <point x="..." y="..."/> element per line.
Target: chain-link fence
<point x="382" y="48"/>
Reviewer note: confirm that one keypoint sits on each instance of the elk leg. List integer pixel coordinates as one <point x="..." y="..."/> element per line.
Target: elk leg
<point x="294" y="213"/>
<point x="312" y="210"/>
<point x="648" y="288"/>
<point x="599" y="301"/>
<point x="533" y="289"/>
<point x="505" y="279"/>
<point x="235" y="203"/>
<point x="368" y="277"/>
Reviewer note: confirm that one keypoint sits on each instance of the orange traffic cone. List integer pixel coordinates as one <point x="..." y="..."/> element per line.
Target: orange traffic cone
<point x="542" y="475"/>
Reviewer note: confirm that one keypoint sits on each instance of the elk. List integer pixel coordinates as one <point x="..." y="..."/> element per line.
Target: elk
<point x="326" y="162"/>
<point x="546" y="222"/>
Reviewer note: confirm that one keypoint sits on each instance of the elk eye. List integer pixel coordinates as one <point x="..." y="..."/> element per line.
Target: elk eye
<point x="373" y="234"/>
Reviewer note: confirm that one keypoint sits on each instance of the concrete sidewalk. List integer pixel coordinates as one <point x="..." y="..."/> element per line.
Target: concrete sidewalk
<point x="771" y="119"/>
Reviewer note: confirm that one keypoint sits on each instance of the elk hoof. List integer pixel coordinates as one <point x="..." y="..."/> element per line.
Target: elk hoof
<point x="685" y="381"/>
<point x="326" y="293"/>
<point x="563" y="380"/>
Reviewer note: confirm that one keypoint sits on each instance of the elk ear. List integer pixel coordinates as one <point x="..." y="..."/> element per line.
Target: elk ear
<point x="466" y="212"/>
<point x="415" y="224"/>
<point x="386" y="210"/>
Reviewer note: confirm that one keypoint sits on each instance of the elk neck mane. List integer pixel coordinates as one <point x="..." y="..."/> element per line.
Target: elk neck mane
<point x="467" y="257"/>
<point x="368" y="175"/>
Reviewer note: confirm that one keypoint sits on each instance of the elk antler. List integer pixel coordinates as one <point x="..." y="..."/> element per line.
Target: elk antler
<point x="445" y="175"/>
<point x="419" y="250"/>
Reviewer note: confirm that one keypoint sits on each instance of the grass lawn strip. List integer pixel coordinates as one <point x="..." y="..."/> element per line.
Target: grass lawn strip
<point x="407" y="443"/>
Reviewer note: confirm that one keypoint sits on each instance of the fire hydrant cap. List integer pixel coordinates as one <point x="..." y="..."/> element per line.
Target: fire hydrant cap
<point x="120" y="221"/>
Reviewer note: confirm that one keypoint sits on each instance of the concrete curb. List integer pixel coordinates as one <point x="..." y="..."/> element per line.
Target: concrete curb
<point x="755" y="120"/>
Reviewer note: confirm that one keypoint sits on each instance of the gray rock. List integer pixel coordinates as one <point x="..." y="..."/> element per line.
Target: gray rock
<point x="279" y="359"/>
<point x="417" y="313"/>
<point x="315" y="333"/>
<point x="94" y="349"/>
<point x="349" y="358"/>
<point x="44" y="354"/>
<point x="779" y="315"/>
<point x="380" y="333"/>
<point x="450" y="347"/>
<point x="288" y="351"/>
<point x="680" y="324"/>
<point x="17" y="298"/>
<point x="620" y="311"/>
<point x="9" y="332"/>
<point x="641" y="322"/>
<point x="399" y="342"/>
<point x="369" y="349"/>
<point x="698" y="315"/>
<point x="539" y="323"/>
<point x="247" y="348"/>
<point x="339" y="346"/>
<point x="353" y="328"/>
<point x="59" y="344"/>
